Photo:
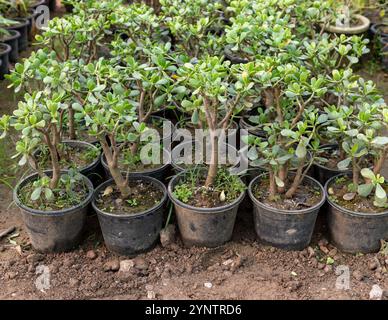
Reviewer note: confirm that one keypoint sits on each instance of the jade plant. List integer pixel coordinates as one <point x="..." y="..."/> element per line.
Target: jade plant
<point x="39" y="119"/>
<point x="292" y="93"/>
<point x="216" y="88"/>
<point x="193" y="24"/>
<point x="365" y="149"/>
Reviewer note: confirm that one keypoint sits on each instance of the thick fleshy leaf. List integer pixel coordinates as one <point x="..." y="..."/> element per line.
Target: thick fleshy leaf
<point x="364" y="190"/>
<point x="381" y="141"/>
<point x="279" y="182"/>
<point x="367" y="173"/>
<point x="380" y="192"/>
<point x="344" y="164"/>
<point x="35" y="195"/>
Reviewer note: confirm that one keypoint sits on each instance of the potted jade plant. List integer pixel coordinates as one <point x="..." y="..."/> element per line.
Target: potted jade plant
<point x="206" y="200"/>
<point x="41" y="71"/>
<point x="346" y="91"/>
<point x="129" y="207"/>
<point x="358" y="203"/>
<point x="286" y="200"/>
<point x="344" y="19"/>
<point x="53" y="202"/>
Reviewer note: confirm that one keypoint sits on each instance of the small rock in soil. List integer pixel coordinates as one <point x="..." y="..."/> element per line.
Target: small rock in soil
<point x="34" y="258"/>
<point x="376" y="293"/>
<point x="324" y="249"/>
<point x="10" y="275"/>
<point x="112" y="265"/>
<point x="151" y="294"/>
<point x="167" y="235"/>
<point x="91" y="254"/>
<point x="208" y="285"/>
<point x="328" y="268"/>
<point x="311" y="252"/>
<point x="126" y="265"/>
<point x="74" y="282"/>
<point x="358" y="275"/>
<point x="333" y="252"/>
<point x="323" y="242"/>
<point x="373" y="264"/>
<point x="321" y="266"/>
<point x="140" y="263"/>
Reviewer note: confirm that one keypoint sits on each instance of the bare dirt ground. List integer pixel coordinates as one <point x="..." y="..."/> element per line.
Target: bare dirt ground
<point x="241" y="269"/>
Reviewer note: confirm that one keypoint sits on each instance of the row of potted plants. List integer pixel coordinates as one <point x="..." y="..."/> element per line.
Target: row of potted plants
<point x="111" y="74"/>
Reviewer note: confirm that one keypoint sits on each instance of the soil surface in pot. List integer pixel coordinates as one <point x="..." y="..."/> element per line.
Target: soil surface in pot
<point x="144" y="195"/>
<point x="339" y="188"/>
<point x="71" y="156"/>
<point x="193" y="192"/>
<point x="306" y="196"/>
<point x="64" y="196"/>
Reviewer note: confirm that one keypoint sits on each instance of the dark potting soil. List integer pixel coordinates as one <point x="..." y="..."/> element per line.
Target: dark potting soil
<point x="64" y="198"/>
<point x="71" y="156"/>
<point x="306" y="196"/>
<point x="144" y="195"/>
<point x="339" y="188"/>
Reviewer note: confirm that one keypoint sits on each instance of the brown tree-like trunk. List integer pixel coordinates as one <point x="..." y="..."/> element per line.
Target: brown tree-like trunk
<point x="356" y="173"/>
<point x="283" y="177"/>
<point x="297" y="180"/>
<point x="272" y="185"/>
<point x="380" y="162"/>
<point x="213" y="166"/>
<point x="54" y="162"/>
<point x="72" y="134"/>
<point x="112" y="160"/>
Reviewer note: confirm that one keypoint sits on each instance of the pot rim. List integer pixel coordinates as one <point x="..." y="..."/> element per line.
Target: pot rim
<point x="329" y="146"/>
<point x="164" y="119"/>
<point x="351" y="30"/>
<point x="230" y="56"/>
<point x="282" y="211"/>
<point x="7" y="50"/>
<point x="347" y="211"/>
<point x="16" y="35"/>
<point x="132" y="215"/>
<point x="24" y="22"/>
<point x="163" y="167"/>
<point x="374" y="27"/>
<point x="201" y="210"/>
<point x="36" y="212"/>
<point x="86" y="144"/>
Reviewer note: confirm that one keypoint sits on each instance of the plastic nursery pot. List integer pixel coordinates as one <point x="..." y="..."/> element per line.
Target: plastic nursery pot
<point x="384" y="51"/>
<point x="157" y="173"/>
<point x="377" y="29"/>
<point x="230" y="152"/>
<point x="13" y="41"/>
<point x="234" y="59"/>
<point x="355" y="232"/>
<point x="92" y="171"/>
<point x="54" y="231"/>
<point x="361" y="27"/>
<point x="285" y="229"/>
<point x="255" y="130"/>
<point x="5" y="49"/>
<point x="323" y="173"/>
<point x="131" y="234"/>
<point x="52" y="4"/>
<point x="22" y="27"/>
<point x="205" y="227"/>
<point x="183" y="133"/>
<point x="31" y="29"/>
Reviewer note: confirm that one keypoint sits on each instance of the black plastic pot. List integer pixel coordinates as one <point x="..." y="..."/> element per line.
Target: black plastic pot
<point x="5" y="49"/>
<point x="207" y="227"/>
<point x="376" y="31"/>
<point x="323" y="173"/>
<point x="52" y="4"/>
<point x="31" y="29"/>
<point x="92" y="171"/>
<point x="54" y="231"/>
<point x="13" y="42"/>
<point x="158" y="173"/>
<point x="252" y="129"/>
<point x="285" y="229"/>
<point x="39" y="3"/>
<point x="22" y="27"/>
<point x="229" y="55"/>
<point x="384" y="53"/>
<point x="136" y="233"/>
<point x="355" y="232"/>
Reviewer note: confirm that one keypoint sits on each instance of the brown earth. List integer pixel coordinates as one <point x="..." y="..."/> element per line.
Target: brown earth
<point x="241" y="269"/>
